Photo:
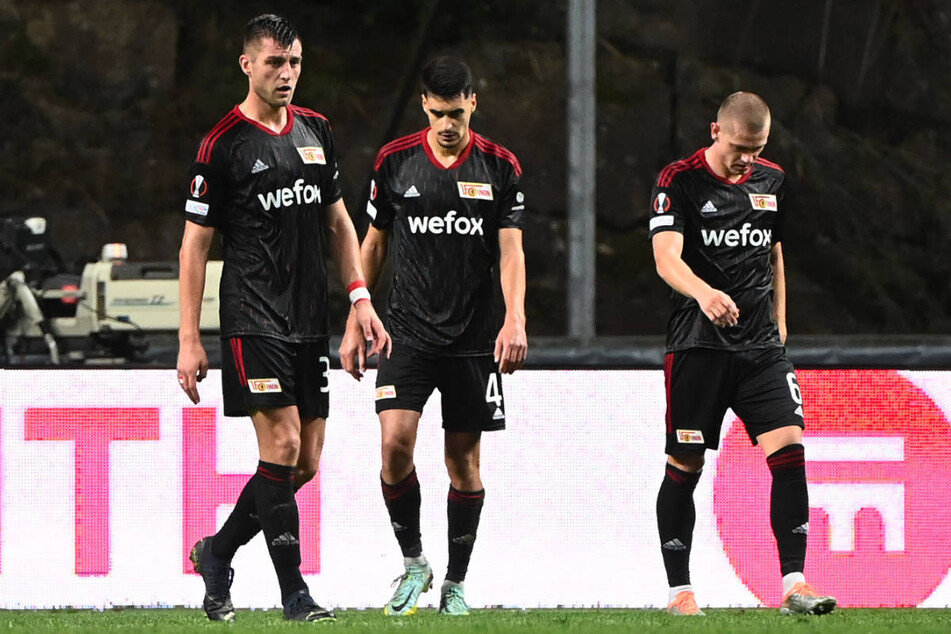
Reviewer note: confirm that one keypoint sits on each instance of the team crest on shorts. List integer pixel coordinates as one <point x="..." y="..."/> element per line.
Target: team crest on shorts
<point x="264" y="385"/>
<point x="385" y="391"/>
<point x="690" y="436"/>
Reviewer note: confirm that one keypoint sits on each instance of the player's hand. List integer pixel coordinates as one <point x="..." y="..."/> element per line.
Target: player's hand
<point x="363" y="337"/>
<point x="511" y="347"/>
<point x="719" y="308"/>
<point x="192" y="367"/>
<point x="353" y="348"/>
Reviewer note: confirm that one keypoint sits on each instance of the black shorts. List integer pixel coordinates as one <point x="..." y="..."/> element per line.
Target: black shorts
<point x="759" y="385"/>
<point x="262" y="373"/>
<point x="471" y="387"/>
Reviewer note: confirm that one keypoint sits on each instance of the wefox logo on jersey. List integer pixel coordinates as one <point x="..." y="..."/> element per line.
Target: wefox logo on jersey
<point x="448" y="224"/>
<point x="742" y="237"/>
<point x="300" y="194"/>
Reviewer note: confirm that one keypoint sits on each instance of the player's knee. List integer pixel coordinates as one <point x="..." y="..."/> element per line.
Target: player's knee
<point x="304" y="475"/>
<point x="688" y="463"/>
<point x="397" y="449"/>
<point x="286" y="447"/>
<point x="463" y="469"/>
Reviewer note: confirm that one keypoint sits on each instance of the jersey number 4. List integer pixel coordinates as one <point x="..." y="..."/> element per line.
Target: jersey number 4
<point x="492" y="392"/>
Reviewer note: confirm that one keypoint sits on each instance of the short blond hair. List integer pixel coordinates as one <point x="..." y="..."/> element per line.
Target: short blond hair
<point x="747" y="109"/>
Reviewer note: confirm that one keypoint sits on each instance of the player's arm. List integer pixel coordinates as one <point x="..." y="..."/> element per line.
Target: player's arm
<point x="511" y="345"/>
<point x="372" y="258"/>
<point x="715" y="304"/>
<point x="192" y="259"/>
<point x="779" y="288"/>
<point x="346" y="253"/>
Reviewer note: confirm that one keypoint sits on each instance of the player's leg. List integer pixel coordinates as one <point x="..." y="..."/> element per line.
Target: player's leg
<point x="403" y="387"/>
<point x="472" y="403"/>
<point x="279" y="440"/>
<point x="312" y="364"/>
<point x="246" y="362"/>
<point x="676" y="518"/>
<point x="463" y="509"/>
<point x="312" y="367"/>
<point x="695" y="386"/>
<point x="770" y="404"/>
<point x="401" y="493"/>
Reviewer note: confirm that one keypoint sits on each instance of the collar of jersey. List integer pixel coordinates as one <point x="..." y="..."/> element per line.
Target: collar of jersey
<point x="703" y="159"/>
<point x="432" y="156"/>
<point x="287" y="127"/>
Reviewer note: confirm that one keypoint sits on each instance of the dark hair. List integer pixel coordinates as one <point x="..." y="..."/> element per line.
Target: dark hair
<point x="447" y="77"/>
<point x="272" y="26"/>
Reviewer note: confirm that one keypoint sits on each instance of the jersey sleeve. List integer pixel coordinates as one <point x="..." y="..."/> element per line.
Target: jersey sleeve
<point x="511" y="202"/>
<point x="782" y="200"/>
<point x="666" y="212"/>
<point x="205" y="198"/>
<point x="379" y="207"/>
<point x="330" y="178"/>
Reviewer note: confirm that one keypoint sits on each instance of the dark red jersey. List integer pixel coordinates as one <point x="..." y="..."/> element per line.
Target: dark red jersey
<point x="265" y="193"/>
<point x="445" y="226"/>
<point x="728" y="230"/>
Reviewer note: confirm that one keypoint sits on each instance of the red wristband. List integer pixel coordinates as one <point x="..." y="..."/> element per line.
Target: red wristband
<point x="358" y="291"/>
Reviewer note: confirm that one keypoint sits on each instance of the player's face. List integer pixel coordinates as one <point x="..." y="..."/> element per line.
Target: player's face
<point x="273" y="70"/>
<point x="736" y="148"/>
<point x="449" y="118"/>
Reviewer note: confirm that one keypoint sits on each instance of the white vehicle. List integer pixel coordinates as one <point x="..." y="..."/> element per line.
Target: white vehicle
<point x="105" y="312"/>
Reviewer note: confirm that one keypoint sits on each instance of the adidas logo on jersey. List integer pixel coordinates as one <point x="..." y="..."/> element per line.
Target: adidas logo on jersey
<point x="708" y="208"/>
<point x="259" y="166"/>
<point x="412" y="192"/>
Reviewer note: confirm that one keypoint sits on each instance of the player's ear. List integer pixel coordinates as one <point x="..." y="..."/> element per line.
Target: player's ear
<point x="244" y="63"/>
<point x="474" y="101"/>
<point x="714" y="130"/>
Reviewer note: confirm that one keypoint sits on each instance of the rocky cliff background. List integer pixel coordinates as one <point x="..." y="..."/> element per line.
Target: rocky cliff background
<point x="103" y="103"/>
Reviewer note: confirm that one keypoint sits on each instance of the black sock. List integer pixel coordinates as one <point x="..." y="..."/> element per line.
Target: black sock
<point x="403" y="501"/>
<point x="789" y="506"/>
<point x="676" y="516"/>
<point x="240" y="526"/>
<point x="464" y="509"/>
<point x="277" y="512"/>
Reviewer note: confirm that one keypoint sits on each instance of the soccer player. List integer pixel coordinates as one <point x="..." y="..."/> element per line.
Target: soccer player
<point x="266" y="178"/>
<point x="716" y="229"/>
<point x="451" y="200"/>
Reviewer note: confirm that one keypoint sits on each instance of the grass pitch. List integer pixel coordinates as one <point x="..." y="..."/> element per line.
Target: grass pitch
<point x="573" y="621"/>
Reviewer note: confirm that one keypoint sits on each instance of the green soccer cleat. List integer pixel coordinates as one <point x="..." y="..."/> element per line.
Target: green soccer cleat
<point x="417" y="579"/>
<point x="452" y="600"/>
<point x="802" y="599"/>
